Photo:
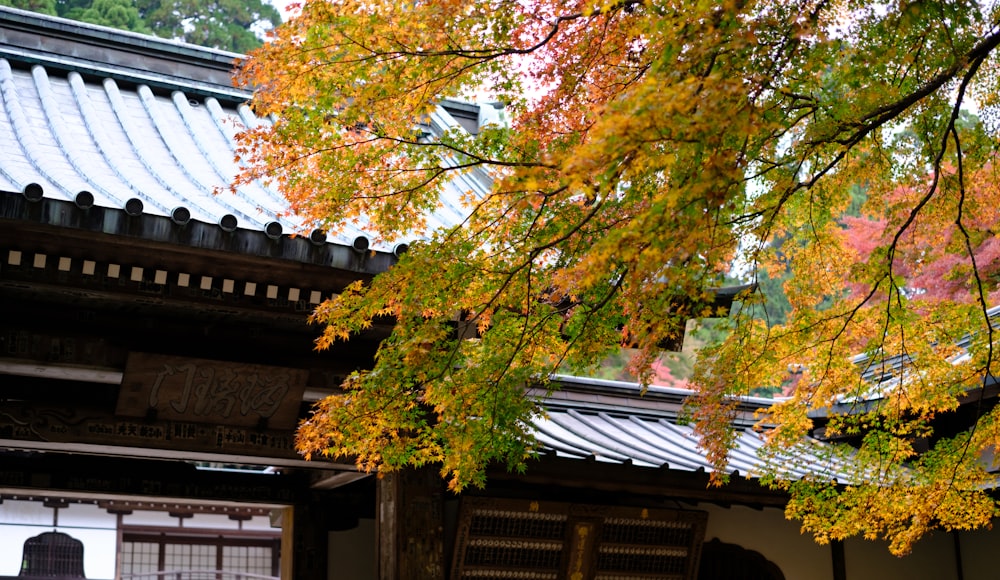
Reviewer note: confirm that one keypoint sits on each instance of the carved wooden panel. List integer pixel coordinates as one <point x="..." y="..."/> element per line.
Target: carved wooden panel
<point x="33" y="422"/>
<point x="504" y="538"/>
<point x="211" y="391"/>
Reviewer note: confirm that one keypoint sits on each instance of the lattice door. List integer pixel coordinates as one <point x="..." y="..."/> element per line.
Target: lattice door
<point x="500" y="539"/>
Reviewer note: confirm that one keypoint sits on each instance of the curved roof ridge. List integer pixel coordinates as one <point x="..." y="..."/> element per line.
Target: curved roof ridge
<point x="102" y="51"/>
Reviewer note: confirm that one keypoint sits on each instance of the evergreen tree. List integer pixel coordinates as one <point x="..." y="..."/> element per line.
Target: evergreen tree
<point x="40" y="6"/>
<point x="233" y="25"/>
<point x="226" y="24"/>
<point x="115" y="13"/>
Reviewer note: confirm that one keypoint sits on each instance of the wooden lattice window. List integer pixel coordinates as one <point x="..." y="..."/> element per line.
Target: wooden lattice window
<point x="530" y="540"/>
<point x="214" y="554"/>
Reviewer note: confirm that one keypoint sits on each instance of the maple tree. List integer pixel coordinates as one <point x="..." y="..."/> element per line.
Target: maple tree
<point x="653" y="145"/>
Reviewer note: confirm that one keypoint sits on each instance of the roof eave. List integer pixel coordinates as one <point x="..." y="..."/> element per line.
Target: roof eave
<point x="192" y="234"/>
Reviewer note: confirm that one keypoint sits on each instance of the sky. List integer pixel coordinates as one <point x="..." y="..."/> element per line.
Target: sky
<point x="282" y="5"/>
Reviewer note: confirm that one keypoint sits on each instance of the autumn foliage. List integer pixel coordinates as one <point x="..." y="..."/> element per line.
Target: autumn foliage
<point x="655" y="148"/>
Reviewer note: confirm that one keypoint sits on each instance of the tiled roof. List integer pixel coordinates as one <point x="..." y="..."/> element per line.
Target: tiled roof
<point x="125" y="116"/>
<point x="612" y="422"/>
<point x="882" y="375"/>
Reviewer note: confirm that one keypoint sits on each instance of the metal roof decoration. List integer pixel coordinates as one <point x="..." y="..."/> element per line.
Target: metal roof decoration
<point x="111" y="119"/>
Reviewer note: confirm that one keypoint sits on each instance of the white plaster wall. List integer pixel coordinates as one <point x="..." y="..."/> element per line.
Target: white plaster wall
<point x="20" y="520"/>
<point x="979" y="553"/>
<point x="217" y="521"/>
<point x="933" y="558"/>
<point x="262" y="523"/>
<point x="352" y="554"/>
<point x="150" y="518"/>
<point x="800" y="558"/>
<point x="768" y="532"/>
<point x="199" y="520"/>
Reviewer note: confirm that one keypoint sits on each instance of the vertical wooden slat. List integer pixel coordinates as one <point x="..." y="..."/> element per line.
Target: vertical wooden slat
<point x="287" y="543"/>
<point x="119" y="545"/>
<point x="219" y="554"/>
<point x="582" y="542"/>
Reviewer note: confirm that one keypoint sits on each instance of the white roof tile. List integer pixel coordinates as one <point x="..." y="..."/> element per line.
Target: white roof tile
<point x="70" y="132"/>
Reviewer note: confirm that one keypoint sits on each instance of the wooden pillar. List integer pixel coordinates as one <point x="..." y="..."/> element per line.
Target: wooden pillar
<point x="309" y="539"/>
<point x="119" y="544"/>
<point x="957" y="542"/>
<point x="411" y="525"/>
<point x="839" y="560"/>
<point x="387" y="494"/>
<point x="287" y="519"/>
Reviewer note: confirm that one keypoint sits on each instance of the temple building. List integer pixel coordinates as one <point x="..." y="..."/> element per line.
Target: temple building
<point x="155" y="359"/>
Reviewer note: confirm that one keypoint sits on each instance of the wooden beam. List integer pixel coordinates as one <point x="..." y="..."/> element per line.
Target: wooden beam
<point x="58" y="325"/>
<point x="589" y="477"/>
<point x="106" y="477"/>
<point x="80" y="428"/>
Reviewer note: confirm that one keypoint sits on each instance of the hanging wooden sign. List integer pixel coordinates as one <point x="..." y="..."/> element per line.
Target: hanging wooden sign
<point x="204" y="391"/>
